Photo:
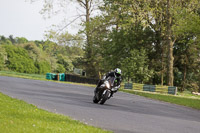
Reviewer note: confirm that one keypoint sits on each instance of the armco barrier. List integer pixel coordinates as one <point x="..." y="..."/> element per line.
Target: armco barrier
<point x="78" y="79"/>
<point x="128" y="86"/>
<point x="172" y="90"/>
<point x="151" y="88"/>
<point x="138" y="86"/>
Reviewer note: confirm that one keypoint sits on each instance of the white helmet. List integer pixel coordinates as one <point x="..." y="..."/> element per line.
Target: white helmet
<point x="118" y="72"/>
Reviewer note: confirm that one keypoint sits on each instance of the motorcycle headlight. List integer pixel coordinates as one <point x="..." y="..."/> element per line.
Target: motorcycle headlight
<point x="107" y="84"/>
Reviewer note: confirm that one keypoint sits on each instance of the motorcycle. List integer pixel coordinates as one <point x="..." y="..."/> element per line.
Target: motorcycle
<point x="104" y="91"/>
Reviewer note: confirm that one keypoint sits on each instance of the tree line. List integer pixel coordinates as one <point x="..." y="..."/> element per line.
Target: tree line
<point x="152" y="41"/>
<point x="21" y="55"/>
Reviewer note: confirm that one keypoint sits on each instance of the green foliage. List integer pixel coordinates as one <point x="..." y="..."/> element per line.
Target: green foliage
<point x="65" y="38"/>
<point x="21" y="40"/>
<point x="154" y="26"/>
<point x="134" y="35"/>
<point x="135" y="67"/>
<point x="43" y="67"/>
<point x="65" y="62"/>
<point x="5" y="41"/>
<point x="60" y="69"/>
<point x="34" y="52"/>
<point x="3" y="57"/>
<point x="40" y="56"/>
<point x="187" y="64"/>
<point x="19" y="60"/>
<point x="183" y="16"/>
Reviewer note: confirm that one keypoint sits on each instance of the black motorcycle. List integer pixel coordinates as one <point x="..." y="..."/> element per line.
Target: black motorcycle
<point x="104" y="91"/>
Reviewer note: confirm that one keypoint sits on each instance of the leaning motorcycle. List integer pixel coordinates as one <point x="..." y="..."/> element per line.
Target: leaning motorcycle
<point x="104" y="92"/>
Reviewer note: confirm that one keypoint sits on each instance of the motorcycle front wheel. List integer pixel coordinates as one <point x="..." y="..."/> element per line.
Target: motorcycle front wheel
<point x="104" y="97"/>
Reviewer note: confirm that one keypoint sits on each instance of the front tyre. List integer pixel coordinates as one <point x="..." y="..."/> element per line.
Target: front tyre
<point x="105" y="97"/>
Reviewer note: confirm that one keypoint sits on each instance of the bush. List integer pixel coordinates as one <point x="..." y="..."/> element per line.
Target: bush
<point x="60" y="69"/>
<point x="3" y="57"/>
<point x="43" y="67"/>
<point x="19" y="60"/>
<point x="194" y="87"/>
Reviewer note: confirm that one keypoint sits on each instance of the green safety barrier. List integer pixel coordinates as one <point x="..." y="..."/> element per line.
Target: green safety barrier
<point x="54" y="77"/>
<point x="150" y="88"/>
<point x="172" y="90"/>
<point x="49" y="76"/>
<point x="138" y="86"/>
<point x="70" y="78"/>
<point x="128" y="86"/>
<point x="61" y="77"/>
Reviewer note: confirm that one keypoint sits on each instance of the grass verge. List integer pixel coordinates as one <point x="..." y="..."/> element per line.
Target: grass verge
<point x="37" y="77"/>
<point x="22" y="75"/>
<point x="180" y="100"/>
<point x="16" y="116"/>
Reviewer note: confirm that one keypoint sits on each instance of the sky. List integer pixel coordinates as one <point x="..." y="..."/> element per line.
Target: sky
<point x="22" y="19"/>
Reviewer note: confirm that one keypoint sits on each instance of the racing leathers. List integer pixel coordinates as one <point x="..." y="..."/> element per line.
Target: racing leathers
<point x="116" y="84"/>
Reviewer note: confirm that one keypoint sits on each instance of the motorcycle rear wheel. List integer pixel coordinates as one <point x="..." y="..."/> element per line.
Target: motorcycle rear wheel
<point x="95" y="100"/>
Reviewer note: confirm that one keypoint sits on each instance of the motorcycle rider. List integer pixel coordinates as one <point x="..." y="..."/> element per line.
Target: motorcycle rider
<point x="117" y="74"/>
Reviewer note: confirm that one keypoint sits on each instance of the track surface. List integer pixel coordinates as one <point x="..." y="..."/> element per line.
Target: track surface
<point x="124" y="113"/>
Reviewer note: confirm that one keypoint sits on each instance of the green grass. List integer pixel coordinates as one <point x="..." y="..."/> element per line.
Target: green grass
<point x="16" y="116"/>
<point x="23" y="75"/>
<point x="188" y="94"/>
<point x="193" y="102"/>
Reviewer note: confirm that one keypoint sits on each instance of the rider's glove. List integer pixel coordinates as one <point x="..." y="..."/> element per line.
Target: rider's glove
<point x="115" y="88"/>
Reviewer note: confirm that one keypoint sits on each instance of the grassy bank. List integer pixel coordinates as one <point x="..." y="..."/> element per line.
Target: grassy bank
<point x="22" y="75"/>
<point x="36" y="77"/>
<point x="17" y="116"/>
<point x="193" y="102"/>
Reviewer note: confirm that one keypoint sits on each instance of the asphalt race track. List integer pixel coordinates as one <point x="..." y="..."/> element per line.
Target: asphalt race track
<point x="124" y="113"/>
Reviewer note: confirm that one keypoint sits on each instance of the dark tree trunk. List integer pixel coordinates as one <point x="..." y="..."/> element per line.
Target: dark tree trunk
<point x="170" y="43"/>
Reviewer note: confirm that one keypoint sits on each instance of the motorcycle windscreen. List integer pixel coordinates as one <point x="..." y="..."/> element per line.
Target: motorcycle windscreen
<point x="111" y="80"/>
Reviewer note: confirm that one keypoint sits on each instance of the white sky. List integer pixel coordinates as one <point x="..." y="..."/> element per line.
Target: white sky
<point x="22" y="19"/>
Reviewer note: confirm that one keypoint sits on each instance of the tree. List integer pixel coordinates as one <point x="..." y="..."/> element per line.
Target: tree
<point x="88" y="6"/>
<point x="65" y="62"/>
<point x="5" y="41"/>
<point x="186" y="53"/>
<point x="12" y="39"/>
<point x="136" y="68"/>
<point x="174" y="9"/>
<point x="34" y="52"/>
<point x="43" y="67"/>
<point x="21" y="40"/>
<point x="148" y="12"/>
<point x="3" y="57"/>
<point x="60" y="69"/>
<point x="19" y="60"/>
